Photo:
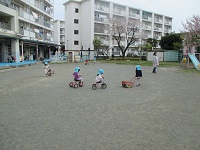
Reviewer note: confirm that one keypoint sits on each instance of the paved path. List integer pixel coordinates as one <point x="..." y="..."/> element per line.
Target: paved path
<point x="44" y="113"/>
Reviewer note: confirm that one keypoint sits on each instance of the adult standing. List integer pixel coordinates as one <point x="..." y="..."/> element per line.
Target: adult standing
<point x="155" y="62"/>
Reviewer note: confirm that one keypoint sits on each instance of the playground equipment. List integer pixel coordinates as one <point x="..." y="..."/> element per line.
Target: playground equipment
<point x="194" y="60"/>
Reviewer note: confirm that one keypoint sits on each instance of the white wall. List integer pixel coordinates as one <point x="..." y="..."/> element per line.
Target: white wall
<point x="56" y="28"/>
<point x="70" y="37"/>
<point x="87" y="24"/>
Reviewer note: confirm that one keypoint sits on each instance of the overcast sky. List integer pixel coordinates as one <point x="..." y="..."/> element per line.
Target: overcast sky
<point x="179" y="10"/>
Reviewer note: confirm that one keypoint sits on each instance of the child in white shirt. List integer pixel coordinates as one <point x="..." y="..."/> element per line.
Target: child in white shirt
<point x="99" y="78"/>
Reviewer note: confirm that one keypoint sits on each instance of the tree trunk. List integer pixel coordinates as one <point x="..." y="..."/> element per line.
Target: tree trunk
<point x="123" y="53"/>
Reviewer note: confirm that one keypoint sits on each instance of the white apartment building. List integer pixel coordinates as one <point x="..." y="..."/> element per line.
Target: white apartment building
<point x="85" y="20"/>
<point x="59" y="32"/>
<point x="26" y="29"/>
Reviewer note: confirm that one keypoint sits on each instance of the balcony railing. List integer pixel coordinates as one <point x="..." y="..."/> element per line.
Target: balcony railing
<point x="122" y="13"/>
<point x="62" y="40"/>
<point x="158" y="29"/>
<point x="168" y="23"/>
<point x="41" y="6"/>
<point x="147" y="18"/>
<point x="30" y="17"/>
<point x="147" y="27"/>
<point x="157" y="37"/>
<point x="158" y="21"/>
<point x="100" y="30"/>
<point x="28" y="34"/>
<point x="146" y="36"/>
<point x="101" y="8"/>
<point x="134" y="15"/>
<point x="168" y="30"/>
<point x="5" y="26"/>
<point x="103" y="20"/>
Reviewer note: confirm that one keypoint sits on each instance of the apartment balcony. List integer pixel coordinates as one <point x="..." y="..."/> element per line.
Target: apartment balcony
<point x="46" y="24"/>
<point x="35" y="19"/>
<point x="50" y="1"/>
<point x="147" y="18"/>
<point x="134" y="15"/>
<point x="157" y="29"/>
<point x="38" y="6"/>
<point x="5" y="26"/>
<point x="32" y="35"/>
<point x="100" y="30"/>
<point x="117" y="12"/>
<point x="146" y="27"/>
<point x="168" y="31"/>
<point x="157" y="37"/>
<point x="168" y="23"/>
<point x="28" y="34"/>
<point x="102" y="20"/>
<point x="42" y="6"/>
<point x="158" y="21"/>
<point x="5" y="29"/>
<point x="146" y="36"/>
<point x="62" y="40"/>
<point x="98" y="7"/>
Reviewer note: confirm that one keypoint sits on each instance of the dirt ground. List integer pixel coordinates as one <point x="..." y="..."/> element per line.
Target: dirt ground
<point x="44" y="113"/>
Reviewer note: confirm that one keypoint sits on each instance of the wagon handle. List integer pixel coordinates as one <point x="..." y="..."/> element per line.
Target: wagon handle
<point x="133" y="79"/>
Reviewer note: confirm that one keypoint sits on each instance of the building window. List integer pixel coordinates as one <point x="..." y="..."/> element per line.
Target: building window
<point x="75" y="31"/>
<point x="76" y="21"/>
<point x="76" y="42"/>
<point x="76" y="10"/>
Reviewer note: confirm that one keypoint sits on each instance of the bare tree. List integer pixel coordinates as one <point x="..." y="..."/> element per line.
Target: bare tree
<point x="123" y="31"/>
<point x="191" y="32"/>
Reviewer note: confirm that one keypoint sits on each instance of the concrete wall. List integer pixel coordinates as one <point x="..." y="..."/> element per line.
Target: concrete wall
<point x="87" y="24"/>
<point x="57" y="31"/>
<point x="70" y="37"/>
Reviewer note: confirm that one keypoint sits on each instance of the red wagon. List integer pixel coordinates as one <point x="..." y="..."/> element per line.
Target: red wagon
<point x="128" y="84"/>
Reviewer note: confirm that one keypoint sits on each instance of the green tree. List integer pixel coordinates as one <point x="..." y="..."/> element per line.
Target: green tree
<point x="178" y="46"/>
<point x="167" y="41"/>
<point x="97" y="45"/>
<point x="152" y="42"/>
<point x="147" y="46"/>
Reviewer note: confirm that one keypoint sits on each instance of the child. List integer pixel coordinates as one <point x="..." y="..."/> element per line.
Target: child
<point x="86" y="62"/>
<point x="155" y="62"/>
<point x="99" y="78"/>
<point x="138" y="74"/>
<point x="95" y="59"/>
<point x="77" y="76"/>
<point x="46" y="67"/>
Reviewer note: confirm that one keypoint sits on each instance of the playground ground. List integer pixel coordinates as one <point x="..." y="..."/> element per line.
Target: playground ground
<point x="44" y="113"/>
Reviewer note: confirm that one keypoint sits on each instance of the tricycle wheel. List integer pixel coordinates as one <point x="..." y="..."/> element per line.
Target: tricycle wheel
<point x="103" y="85"/>
<point x="94" y="86"/>
<point x="80" y="84"/>
<point x="75" y="85"/>
<point x="71" y="84"/>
